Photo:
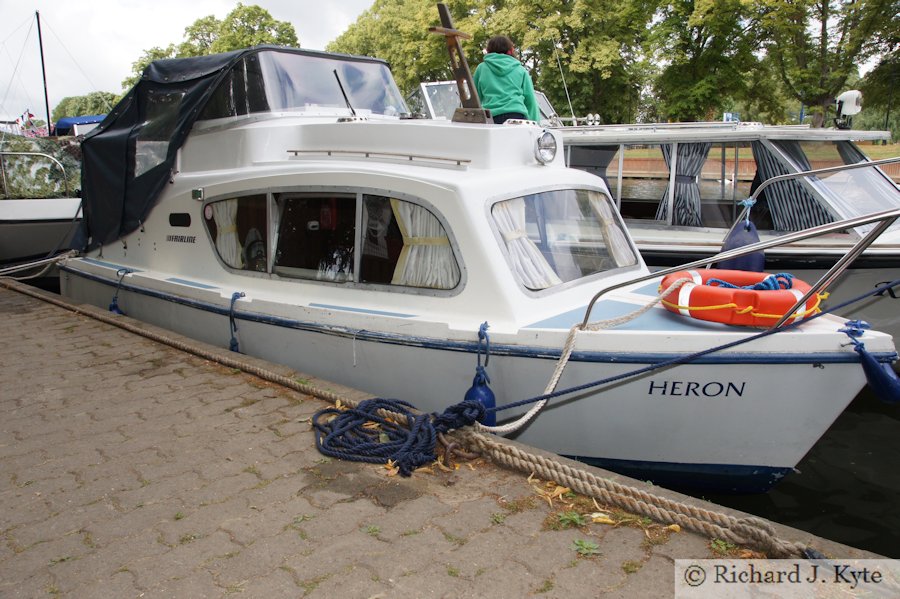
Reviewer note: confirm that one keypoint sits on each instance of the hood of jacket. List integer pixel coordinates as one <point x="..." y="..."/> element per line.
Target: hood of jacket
<point x="501" y="64"/>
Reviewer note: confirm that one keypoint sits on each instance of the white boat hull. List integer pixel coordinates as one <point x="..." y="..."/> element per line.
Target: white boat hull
<point x="32" y="229"/>
<point x="683" y="425"/>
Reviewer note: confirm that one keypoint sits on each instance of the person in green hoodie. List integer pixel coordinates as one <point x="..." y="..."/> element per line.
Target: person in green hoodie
<point x="503" y="84"/>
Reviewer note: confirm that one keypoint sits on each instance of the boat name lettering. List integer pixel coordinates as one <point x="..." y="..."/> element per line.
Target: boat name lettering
<point x="697" y="389"/>
<point x="182" y="238"/>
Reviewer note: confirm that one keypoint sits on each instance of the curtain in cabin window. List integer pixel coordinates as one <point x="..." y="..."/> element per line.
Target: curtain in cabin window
<point x="593" y="159"/>
<point x="527" y="261"/>
<point x="616" y="240"/>
<point x="791" y="206"/>
<point x="691" y="158"/>
<point x="426" y="259"/>
<point x="227" y="244"/>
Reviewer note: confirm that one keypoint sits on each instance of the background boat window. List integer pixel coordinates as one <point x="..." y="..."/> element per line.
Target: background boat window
<point x="153" y="136"/>
<point x="559" y="236"/>
<point x="850" y="193"/>
<point x="789" y="205"/>
<point x="238" y="228"/>
<point x="643" y="183"/>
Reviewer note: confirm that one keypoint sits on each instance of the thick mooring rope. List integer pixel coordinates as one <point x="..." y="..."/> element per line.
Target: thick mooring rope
<point x="751" y="532"/>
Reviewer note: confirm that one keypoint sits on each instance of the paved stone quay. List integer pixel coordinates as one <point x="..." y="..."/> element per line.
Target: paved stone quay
<point x="129" y="468"/>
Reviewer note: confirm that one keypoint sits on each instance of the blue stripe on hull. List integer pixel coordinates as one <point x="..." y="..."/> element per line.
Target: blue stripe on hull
<point x="473" y="347"/>
<point x="721" y="478"/>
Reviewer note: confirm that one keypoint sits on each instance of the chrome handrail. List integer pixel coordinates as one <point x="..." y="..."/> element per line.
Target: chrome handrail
<point x="886" y="218"/>
<point x="58" y="163"/>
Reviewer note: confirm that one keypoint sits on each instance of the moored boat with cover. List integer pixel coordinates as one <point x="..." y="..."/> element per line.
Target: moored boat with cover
<point x="276" y="201"/>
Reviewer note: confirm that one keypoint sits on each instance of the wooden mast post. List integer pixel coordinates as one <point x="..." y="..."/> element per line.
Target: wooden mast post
<point x="471" y="110"/>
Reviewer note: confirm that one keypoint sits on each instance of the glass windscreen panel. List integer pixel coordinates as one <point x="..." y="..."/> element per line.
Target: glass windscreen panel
<point x="282" y="81"/>
<point x="443" y="99"/>
<point x="851" y="193"/>
<point x="558" y="236"/>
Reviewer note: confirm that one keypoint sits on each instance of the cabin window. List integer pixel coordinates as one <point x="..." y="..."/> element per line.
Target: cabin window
<point x="363" y="238"/>
<point x="560" y="236"/>
<point x="153" y="136"/>
<point x="316" y="236"/>
<point x="237" y="227"/>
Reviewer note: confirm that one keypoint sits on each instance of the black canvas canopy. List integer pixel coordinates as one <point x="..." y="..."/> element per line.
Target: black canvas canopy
<point x="129" y="157"/>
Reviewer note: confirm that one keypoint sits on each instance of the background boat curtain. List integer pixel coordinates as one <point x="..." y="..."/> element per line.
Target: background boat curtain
<point x="615" y="238"/>
<point x="527" y="261"/>
<point x="593" y="159"/>
<point x="691" y="158"/>
<point x="791" y="206"/>
<point x="426" y="259"/>
<point x="225" y="215"/>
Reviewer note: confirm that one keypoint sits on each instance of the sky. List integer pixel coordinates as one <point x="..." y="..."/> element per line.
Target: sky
<point x="90" y="45"/>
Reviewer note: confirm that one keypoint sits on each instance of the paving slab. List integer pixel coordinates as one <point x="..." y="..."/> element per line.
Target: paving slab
<point x="129" y="468"/>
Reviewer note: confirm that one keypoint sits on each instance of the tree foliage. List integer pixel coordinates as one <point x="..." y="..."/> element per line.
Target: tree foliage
<point x="708" y="47"/>
<point x="625" y="60"/>
<point x="243" y="27"/>
<point x="93" y="103"/>
<point x="816" y="45"/>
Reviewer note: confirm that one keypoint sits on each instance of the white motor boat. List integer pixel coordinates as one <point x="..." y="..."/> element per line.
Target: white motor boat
<point x="275" y="201"/>
<point x="34" y="228"/>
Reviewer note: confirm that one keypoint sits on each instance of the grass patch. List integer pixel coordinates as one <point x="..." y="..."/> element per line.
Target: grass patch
<point x="373" y="530"/>
<point x="585" y="548"/>
<point x="631" y="567"/>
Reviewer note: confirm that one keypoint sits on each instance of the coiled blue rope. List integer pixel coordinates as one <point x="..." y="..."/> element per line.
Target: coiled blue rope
<point x="782" y="280"/>
<point x="409" y="445"/>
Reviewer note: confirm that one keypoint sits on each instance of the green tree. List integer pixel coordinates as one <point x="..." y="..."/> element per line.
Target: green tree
<point x="397" y="31"/>
<point x="816" y="45"/>
<point x="592" y="46"/>
<point x="93" y="103"/>
<point x="200" y="36"/>
<point x="707" y="46"/>
<point x="243" y="27"/>
<point x="138" y="66"/>
<point x="248" y="26"/>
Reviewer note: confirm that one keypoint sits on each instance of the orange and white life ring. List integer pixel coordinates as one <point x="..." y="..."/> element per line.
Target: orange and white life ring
<point x="703" y="298"/>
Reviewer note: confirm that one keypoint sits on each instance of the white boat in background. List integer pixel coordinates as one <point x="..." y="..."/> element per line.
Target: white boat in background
<point x="680" y="187"/>
<point x="34" y="228"/>
<point x="276" y="201"/>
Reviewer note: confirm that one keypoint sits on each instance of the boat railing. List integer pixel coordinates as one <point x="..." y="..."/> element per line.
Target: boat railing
<point x="883" y="220"/>
<point x="59" y="164"/>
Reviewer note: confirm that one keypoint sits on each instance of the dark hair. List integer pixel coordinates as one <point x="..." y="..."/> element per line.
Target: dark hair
<point x="499" y="44"/>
